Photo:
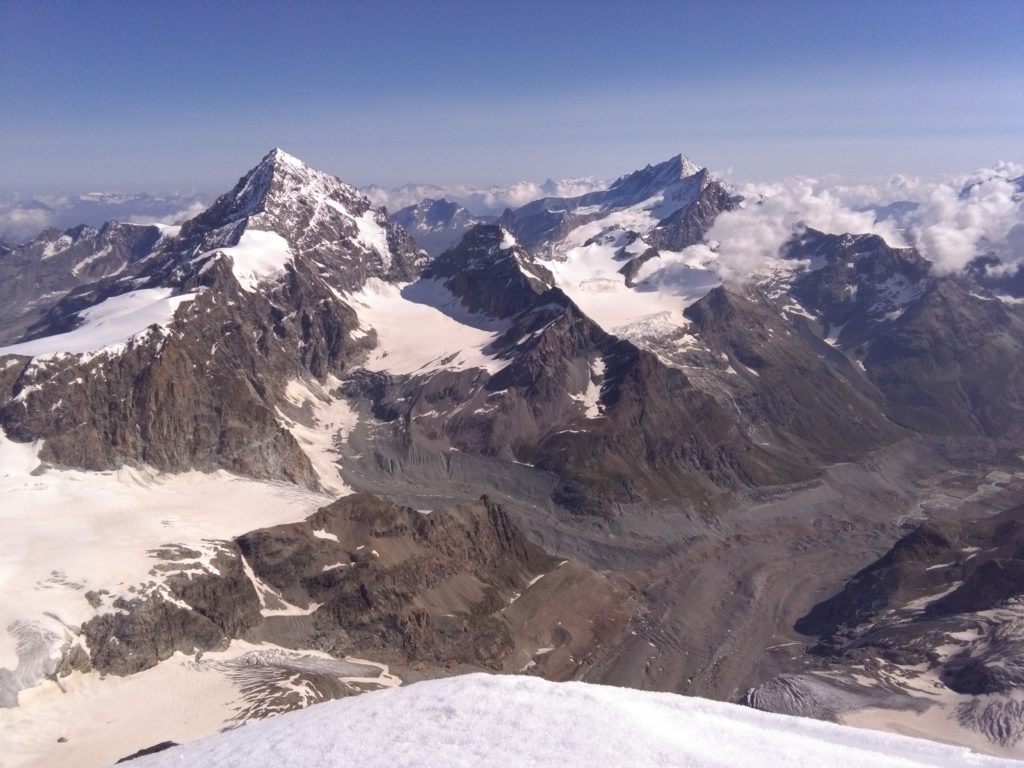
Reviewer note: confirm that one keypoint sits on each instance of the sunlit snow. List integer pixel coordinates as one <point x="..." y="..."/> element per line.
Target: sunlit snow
<point x="108" y="324"/>
<point x="258" y="256"/>
<point x="421" y="328"/>
<point x="589" y="275"/>
<point x="484" y="720"/>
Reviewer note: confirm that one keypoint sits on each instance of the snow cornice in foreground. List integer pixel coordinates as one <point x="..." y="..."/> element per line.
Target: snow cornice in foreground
<point x="478" y="720"/>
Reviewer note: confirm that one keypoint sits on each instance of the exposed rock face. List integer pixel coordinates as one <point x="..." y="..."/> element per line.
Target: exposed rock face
<point x="688" y="225"/>
<point x="365" y="575"/>
<point x="952" y="364"/>
<point x="491" y="273"/>
<point x="981" y="558"/>
<point x="644" y="415"/>
<point x="945" y="356"/>
<point x="437" y="225"/>
<point x="198" y="396"/>
<point x="786" y="383"/>
<point x="35" y="275"/>
<point x="381" y="595"/>
<point x="435" y="585"/>
<point x="854" y="283"/>
<point x="149" y="751"/>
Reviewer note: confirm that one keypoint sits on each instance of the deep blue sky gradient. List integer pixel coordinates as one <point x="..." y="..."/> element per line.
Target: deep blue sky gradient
<point x="165" y="95"/>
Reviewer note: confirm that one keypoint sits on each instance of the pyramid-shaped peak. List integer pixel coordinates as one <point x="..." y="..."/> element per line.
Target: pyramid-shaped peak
<point x="281" y="179"/>
<point x="686" y="166"/>
<point x="654" y="178"/>
<point x="278" y="163"/>
<point x="286" y="190"/>
<point x="673" y="169"/>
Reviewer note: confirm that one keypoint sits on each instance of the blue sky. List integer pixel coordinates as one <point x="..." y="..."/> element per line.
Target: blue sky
<point x="180" y="95"/>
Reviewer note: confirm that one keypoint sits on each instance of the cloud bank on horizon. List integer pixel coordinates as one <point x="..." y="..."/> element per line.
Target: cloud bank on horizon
<point x="950" y="222"/>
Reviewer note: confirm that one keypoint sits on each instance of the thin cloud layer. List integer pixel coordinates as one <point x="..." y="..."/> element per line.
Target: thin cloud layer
<point x="21" y="220"/>
<point x="22" y="223"/>
<point x="175" y="217"/>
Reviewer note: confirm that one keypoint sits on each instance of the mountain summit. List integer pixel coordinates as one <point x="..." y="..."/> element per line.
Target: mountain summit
<point x="317" y="214"/>
<point x="677" y="197"/>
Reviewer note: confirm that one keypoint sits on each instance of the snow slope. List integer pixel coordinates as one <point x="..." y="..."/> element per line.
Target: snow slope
<point x="258" y="256"/>
<point x="108" y="324"/>
<point x="422" y="335"/>
<point x="477" y="720"/>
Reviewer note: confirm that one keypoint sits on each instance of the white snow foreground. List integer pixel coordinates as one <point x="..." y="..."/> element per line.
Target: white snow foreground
<point x="481" y="719"/>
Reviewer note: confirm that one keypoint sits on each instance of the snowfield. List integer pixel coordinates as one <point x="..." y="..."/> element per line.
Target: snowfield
<point x="105" y="718"/>
<point x="422" y="328"/>
<point x="485" y="720"/>
<point x="258" y="256"/>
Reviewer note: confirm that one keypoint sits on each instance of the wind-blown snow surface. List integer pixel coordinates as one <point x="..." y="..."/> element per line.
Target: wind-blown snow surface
<point x="108" y="324"/>
<point x="479" y="720"/>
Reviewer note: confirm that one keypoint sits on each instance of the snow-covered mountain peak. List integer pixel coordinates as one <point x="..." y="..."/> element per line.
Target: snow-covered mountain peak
<point x="278" y="155"/>
<point x="284" y="209"/>
<point x="437" y="224"/>
<point x="491" y="272"/>
<point x="280" y="180"/>
<point x="483" y="247"/>
<point x="659" y="176"/>
<point x="518" y="720"/>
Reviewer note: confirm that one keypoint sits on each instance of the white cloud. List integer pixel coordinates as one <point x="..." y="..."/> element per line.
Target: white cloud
<point x="749" y="237"/>
<point x="18" y="223"/>
<point x="490" y="200"/>
<point x="956" y="219"/>
<point x="951" y="228"/>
